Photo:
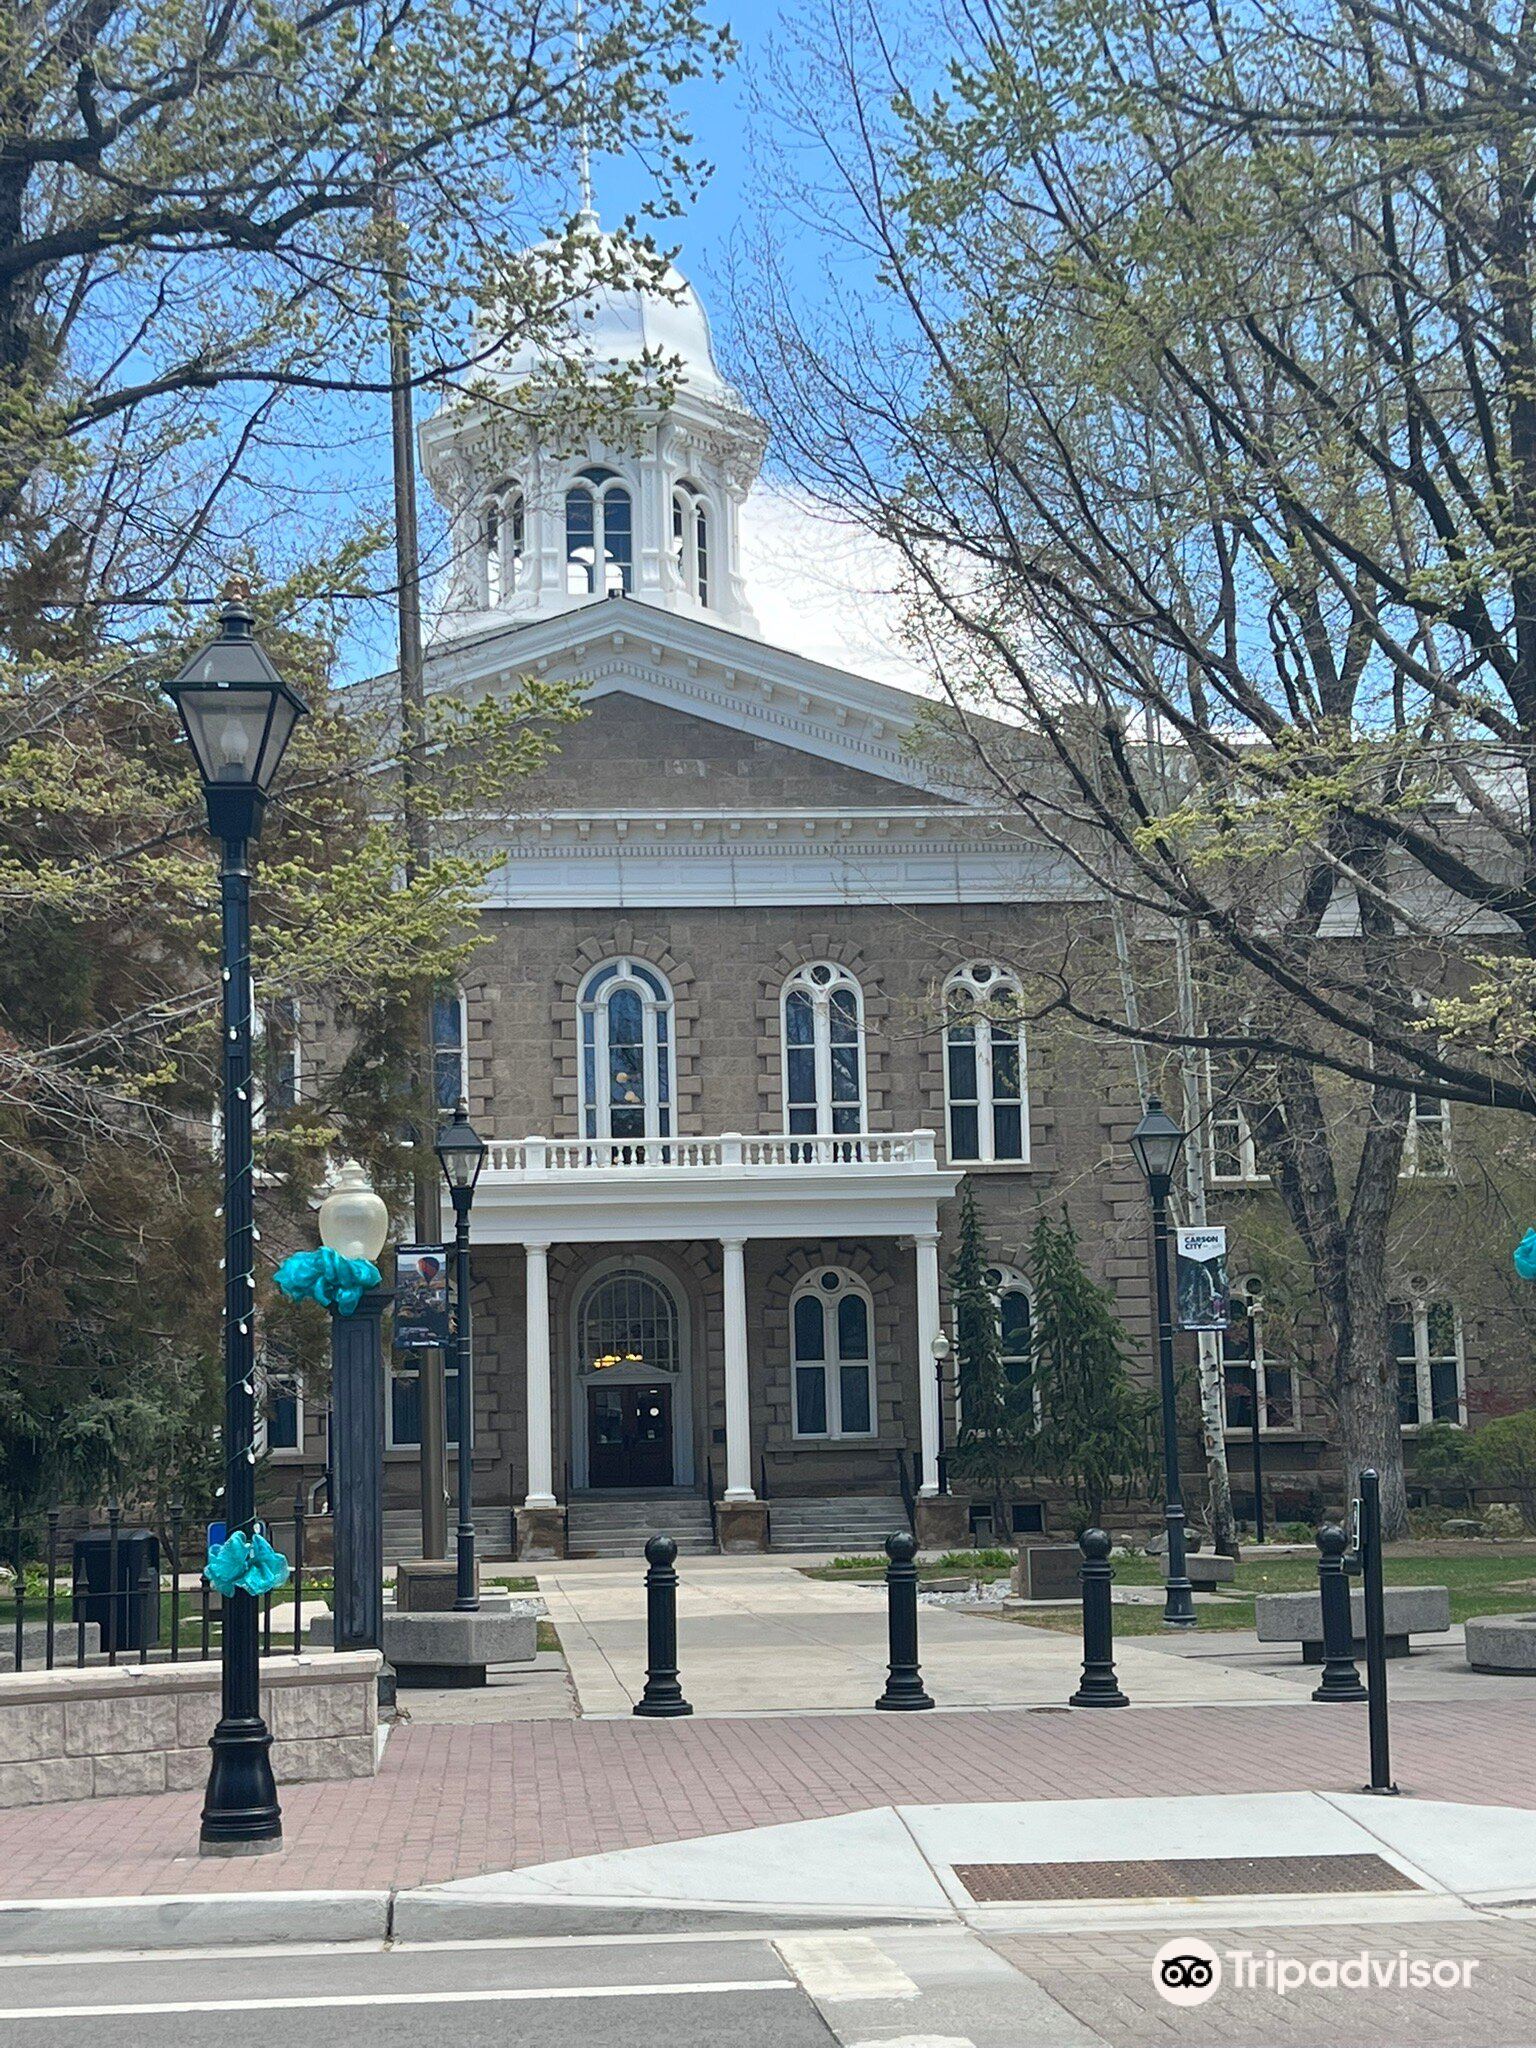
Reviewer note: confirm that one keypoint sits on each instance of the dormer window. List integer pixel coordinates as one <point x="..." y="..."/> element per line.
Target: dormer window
<point x="599" y="535"/>
<point x="690" y="539"/>
<point x="502" y="537"/>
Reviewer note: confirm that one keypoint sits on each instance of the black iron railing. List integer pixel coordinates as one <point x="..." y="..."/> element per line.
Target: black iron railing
<point x="88" y="1588"/>
<point x="908" y="1492"/>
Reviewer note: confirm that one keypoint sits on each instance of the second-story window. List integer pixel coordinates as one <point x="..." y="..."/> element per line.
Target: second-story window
<point x="823" y="1052"/>
<point x="599" y="535"/>
<point x="1427" y="1140"/>
<point x="626" y="1052"/>
<point x="450" y="1050"/>
<point x="984" y="1065"/>
<point x="1231" y="1151"/>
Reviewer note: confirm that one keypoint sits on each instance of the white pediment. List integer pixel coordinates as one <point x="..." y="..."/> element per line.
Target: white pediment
<point x="621" y="646"/>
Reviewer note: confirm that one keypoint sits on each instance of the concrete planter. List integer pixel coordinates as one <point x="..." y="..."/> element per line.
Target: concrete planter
<point x="1502" y="1644"/>
<point x="82" y="1734"/>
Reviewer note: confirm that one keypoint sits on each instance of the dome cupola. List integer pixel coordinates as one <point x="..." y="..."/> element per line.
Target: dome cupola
<point x="542" y="521"/>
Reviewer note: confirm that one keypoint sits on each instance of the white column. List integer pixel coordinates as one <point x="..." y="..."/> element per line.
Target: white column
<point x="738" y="1392"/>
<point x="927" y="1372"/>
<point x="541" y="1458"/>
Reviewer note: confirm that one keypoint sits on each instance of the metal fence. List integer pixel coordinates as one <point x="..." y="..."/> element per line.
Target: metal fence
<point x="96" y="1591"/>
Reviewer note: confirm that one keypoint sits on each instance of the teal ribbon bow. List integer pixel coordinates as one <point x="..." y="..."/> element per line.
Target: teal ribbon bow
<point x="246" y="1564"/>
<point x="1525" y="1256"/>
<point x="328" y="1277"/>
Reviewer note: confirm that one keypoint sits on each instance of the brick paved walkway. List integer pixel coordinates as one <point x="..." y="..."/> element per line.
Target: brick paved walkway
<point x="455" y="1801"/>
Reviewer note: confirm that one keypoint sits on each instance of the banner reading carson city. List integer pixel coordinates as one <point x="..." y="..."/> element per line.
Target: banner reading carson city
<point x="1202" y="1299"/>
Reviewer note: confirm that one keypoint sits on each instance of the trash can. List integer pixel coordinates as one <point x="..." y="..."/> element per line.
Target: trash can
<point x="127" y="1613"/>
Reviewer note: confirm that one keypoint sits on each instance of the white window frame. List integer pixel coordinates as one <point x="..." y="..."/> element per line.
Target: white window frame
<point x="460" y="1003"/>
<point x="979" y="983"/>
<point x="289" y="1379"/>
<point x="258" y="1082"/>
<point x="600" y="483"/>
<point x="697" y="577"/>
<point x="593" y="1028"/>
<point x="450" y="1403"/>
<point x="806" y="980"/>
<point x="1003" y="1280"/>
<point x="832" y="1362"/>
<point x="500" y="556"/>
<point x="1251" y="1290"/>
<point x="1419" y="1306"/>
<point x="1226" y="1113"/>
<point x="1426" y="1110"/>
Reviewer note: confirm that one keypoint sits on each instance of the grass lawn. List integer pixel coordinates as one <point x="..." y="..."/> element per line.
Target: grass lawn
<point x="1482" y="1578"/>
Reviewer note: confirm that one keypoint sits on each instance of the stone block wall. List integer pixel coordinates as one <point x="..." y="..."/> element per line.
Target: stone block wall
<point x="86" y="1734"/>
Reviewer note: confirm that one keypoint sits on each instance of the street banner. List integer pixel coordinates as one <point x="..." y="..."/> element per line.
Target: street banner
<point x="1202" y="1296"/>
<point x="421" y="1297"/>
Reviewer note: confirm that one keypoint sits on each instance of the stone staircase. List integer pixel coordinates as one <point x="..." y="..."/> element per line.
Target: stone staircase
<point x="849" y="1525"/>
<point x="618" y="1524"/>
<point x="493" y="1533"/>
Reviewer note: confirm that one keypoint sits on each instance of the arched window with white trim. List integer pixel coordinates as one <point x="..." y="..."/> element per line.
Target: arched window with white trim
<point x="690" y="538"/>
<point x="985" y="1077"/>
<point x="503" y="539"/>
<point x="823" y="1051"/>
<point x="832" y="1322"/>
<point x="599" y="535"/>
<point x="1015" y="1325"/>
<point x="626" y="1052"/>
<point x="1247" y="1369"/>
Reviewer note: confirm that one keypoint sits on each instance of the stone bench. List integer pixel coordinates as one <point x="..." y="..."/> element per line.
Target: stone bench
<point x="1503" y="1644"/>
<point x="1207" y="1569"/>
<point x="1298" y="1618"/>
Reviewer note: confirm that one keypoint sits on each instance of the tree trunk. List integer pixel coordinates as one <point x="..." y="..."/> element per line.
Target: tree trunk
<point x="1370" y="1434"/>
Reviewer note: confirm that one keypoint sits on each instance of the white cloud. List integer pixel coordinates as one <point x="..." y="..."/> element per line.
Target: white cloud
<point x="825" y="590"/>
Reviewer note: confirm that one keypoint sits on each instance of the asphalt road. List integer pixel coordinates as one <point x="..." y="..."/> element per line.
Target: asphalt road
<point x="689" y="1994"/>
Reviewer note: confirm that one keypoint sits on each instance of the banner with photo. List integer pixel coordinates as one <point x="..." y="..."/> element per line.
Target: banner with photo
<point x="1202" y="1296"/>
<point x="421" y="1297"/>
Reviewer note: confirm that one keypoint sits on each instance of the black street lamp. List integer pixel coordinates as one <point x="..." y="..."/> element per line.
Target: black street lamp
<point x="942" y="1349"/>
<point x="461" y="1153"/>
<point x="1157" y="1142"/>
<point x="239" y="716"/>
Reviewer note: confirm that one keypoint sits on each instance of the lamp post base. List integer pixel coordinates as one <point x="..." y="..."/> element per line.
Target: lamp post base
<point x="241" y="1816"/>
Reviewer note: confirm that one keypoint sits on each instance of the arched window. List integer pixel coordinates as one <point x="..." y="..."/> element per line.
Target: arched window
<point x="690" y="539"/>
<point x="1248" y="1371"/>
<point x="599" y="535"/>
<point x="985" y="1081"/>
<point x="1015" y="1312"/>
<point x="1426" y="1346"/>
<point x="628" y="1324"/>
<point x="823" y="1051"/>
<point x="626" y="1052"/>
<point x="832" y="1335"/>
<point x="503" y="531"/>
<point x="277" y="1069"/>
<point x="450" y="1050"/>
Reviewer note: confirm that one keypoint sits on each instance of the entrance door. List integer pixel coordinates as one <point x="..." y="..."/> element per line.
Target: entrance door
<point x="629" y="1435"/>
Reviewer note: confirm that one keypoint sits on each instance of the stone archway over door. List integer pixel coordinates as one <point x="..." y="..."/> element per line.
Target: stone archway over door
<point x="630" y="1380"/>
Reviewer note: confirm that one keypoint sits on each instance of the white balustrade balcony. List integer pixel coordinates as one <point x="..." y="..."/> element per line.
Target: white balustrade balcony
<point x="734" y="1185"/>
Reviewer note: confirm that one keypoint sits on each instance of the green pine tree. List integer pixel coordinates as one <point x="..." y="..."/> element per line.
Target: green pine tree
<point x="1095" y="1433"/>
<point x="996" y="1419"/>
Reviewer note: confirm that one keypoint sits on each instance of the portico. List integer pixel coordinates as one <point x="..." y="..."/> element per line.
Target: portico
<point x="732" y="1192"/>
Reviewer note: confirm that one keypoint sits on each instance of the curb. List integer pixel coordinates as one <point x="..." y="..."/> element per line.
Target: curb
<point x="195" y="1920"/>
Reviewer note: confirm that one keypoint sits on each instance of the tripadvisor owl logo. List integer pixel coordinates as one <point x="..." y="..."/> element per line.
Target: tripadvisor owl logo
<point x="1187" y="1970"/>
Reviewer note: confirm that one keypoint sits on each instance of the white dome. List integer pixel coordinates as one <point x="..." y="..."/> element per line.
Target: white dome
<point x="615" y="326"/>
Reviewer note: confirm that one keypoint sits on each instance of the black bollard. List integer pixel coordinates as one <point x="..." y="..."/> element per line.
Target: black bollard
<point x="1375" y="1632"/>
<point x="1099" y="1687"/>
<point x="662" y="1699"/>
<point x="904" y="1692"/>
<point x="1341" y="1680"/>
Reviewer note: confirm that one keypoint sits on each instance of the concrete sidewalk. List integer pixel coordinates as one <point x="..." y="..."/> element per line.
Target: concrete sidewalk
<point x="755" y="1635"/>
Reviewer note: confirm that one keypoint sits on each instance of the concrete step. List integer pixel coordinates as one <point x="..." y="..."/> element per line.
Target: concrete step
<point x="493" y="1533"/>
<point x="848" y="1524"/>
<point x="622" y="1527"/>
